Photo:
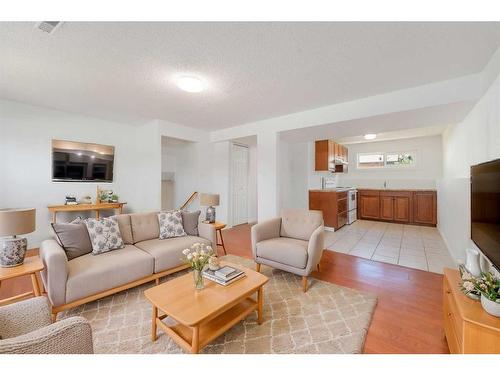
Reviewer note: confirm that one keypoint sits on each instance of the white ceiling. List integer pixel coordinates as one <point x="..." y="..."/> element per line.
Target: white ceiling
<point x="122" y="71"/>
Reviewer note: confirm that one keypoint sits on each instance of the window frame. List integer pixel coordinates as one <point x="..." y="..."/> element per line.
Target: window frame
<point x="413" y="153"/>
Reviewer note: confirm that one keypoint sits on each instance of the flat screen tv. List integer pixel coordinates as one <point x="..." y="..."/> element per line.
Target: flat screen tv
<point x="82" y="162"/>
<point x="485" y="209"/>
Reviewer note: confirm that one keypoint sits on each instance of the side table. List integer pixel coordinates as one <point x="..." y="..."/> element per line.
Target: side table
<point x="30" y="266"/>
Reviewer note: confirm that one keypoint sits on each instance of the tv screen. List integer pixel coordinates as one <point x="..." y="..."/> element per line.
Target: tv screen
<point x="485" y="209"/>
<point x="82" y="162"/>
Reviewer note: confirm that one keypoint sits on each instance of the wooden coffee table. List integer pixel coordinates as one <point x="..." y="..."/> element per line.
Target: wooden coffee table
<point x="202" y="316"/>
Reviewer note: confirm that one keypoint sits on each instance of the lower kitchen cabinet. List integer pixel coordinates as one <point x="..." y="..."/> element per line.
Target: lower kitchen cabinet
<point x="333" y="205"/>
<point x="401" y="206"/>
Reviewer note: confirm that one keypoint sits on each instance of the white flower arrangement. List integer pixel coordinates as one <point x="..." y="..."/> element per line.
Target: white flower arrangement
<point x="198" y="255"/>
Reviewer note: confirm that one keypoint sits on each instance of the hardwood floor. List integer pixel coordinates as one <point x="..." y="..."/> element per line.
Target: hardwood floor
<point x="407" y="318"/>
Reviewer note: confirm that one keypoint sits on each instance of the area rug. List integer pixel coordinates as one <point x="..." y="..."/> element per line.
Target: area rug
<point x="327" y="319"/>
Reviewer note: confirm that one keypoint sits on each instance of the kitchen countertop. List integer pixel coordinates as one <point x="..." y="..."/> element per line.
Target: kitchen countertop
<point x="337" y="190"/>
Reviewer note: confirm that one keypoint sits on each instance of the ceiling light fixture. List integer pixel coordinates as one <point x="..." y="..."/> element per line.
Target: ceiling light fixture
<point x="190" y="83"/>
<point x="370" y="136"/>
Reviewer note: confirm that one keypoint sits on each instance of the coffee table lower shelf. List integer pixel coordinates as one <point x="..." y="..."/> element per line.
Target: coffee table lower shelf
<point x="193" y="339"/>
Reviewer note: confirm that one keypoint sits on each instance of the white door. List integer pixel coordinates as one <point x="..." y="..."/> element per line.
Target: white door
<point x="239" y="184"/>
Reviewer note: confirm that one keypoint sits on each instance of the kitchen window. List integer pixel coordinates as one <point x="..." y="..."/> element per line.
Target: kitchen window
<point x="386" y="160"/>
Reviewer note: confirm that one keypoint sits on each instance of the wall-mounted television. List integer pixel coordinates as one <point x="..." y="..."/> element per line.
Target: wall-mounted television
<point x="485" y="209"/>
<point x="82" y="162"/>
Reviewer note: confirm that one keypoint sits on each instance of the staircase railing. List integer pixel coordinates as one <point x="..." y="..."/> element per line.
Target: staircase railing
<point x="189" y="200"/>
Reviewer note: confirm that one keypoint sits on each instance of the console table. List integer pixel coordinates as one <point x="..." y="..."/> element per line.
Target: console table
<point x="118" y="207"/>
<point x="468" y="328"/>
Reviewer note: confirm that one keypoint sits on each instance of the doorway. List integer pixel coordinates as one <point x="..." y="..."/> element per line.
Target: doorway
<point x="239" y="184"/>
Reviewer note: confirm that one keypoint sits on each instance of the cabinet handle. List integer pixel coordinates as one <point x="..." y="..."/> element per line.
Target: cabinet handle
<point x="448" y="291"/>
<point x="450" y="314"/>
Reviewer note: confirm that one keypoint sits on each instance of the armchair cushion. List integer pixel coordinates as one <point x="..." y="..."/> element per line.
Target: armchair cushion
<point x="68" y="336"/>
<point x="23" y="317"/>
<point x="300" y="224"/>
<point x="289" y="251"/>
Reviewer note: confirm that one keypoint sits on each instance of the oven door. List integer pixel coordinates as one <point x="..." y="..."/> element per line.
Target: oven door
<point x="353" y="204"/>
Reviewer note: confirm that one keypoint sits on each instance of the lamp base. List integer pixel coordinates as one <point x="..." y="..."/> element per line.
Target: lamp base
<point x="12" y="251"/>
<point x="210" y="215"/>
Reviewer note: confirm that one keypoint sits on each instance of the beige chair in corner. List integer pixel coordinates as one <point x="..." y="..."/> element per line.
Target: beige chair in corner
<point x="293" y="242"/>
<point x="26" y="328"/>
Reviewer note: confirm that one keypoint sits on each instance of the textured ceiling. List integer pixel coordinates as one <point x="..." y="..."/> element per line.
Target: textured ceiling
<point x="122" y="71"/>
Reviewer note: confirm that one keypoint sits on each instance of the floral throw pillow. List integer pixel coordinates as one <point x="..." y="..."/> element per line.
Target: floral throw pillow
<point x="171" y="224"/>
<point x="104" y="234"/>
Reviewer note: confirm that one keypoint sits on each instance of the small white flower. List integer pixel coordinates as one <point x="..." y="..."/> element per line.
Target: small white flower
<point x="189" y="256"/>
<point x="202" y="252"/>
<point x="468" y="286"/>
<point x="209" y="248"/>
<point x="186" y="251"/>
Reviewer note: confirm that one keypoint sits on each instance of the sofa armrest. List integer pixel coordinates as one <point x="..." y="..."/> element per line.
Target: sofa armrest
<point x="55" y="273"/>
<point x="207" y="231"/>
<point x="25" y="316"/>
<point x="67" y="336"/>
<point x="265" y="231"/>
<point x="315" y="248"/>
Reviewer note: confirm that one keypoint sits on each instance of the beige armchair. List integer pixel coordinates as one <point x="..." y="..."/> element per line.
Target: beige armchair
<point x="293" y="242"/>
<point x="26" y="328"/>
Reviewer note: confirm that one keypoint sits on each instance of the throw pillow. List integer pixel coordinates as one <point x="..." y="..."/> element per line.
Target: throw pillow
<point x="74" y="238"/>
<point x="104" y="234"/>
<point x="190" y="222"/>
<point x="170" y="224"/>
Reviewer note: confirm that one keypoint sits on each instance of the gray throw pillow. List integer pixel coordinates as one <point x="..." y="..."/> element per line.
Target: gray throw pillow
<point x="74" y="239"/>
<point x="104" y="234"/>
<point x="190" y="222"/>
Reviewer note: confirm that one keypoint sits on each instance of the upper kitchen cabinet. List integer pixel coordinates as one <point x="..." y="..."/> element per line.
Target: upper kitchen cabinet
<point x="330" y="156"/>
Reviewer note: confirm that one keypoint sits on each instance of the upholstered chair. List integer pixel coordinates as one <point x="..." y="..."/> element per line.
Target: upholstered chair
<point x="26" y="328"/>
<point x="293" y="242"/>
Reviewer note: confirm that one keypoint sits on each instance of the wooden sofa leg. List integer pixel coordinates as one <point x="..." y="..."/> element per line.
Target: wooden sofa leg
<point x="257" y="267"/>
<point x="54" y="317"/>
<point x="318" y="267"/>
<point x="157" y="281"/>
<point x="304" y="284"/>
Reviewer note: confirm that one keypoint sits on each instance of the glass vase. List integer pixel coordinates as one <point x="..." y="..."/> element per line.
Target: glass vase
<point x="199" y="283"/>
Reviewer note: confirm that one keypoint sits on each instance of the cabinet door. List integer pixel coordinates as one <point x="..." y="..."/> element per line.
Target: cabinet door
<point x="321" y="155"/>
<point x="387" y="207"/>
<point x="402" y="206"/>
<point x="424" y="207"/>
<point x="331" y="155"/>
<point x="327" y="203"/>
<point x="370" y="206"/>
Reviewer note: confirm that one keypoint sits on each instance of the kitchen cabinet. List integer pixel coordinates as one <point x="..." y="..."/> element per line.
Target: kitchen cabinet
<point x="425" y="207"/>
<point x="400" y="206"/>
<point x="369" y="204"/>
<point x="333" y="205"/>
<point x="330" y="156"/>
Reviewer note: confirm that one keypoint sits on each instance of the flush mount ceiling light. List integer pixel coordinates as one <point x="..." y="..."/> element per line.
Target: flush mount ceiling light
<point x="370" y="136"/>
<point x="190" y="83"/>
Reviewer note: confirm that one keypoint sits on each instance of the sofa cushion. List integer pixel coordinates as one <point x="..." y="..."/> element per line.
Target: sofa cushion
<point x="170" y="224"/>
<point x="104" y="234"/>
<point x="190" y="222"/>
<point x="145" y="226"/>
<point x="289" y="251"/>
<point x="89" y="274"/>
<point x="168" y="253"/>
<point x="73" y="238"/>
<point x="299" y="223"/>
<point x="125" y="225"/>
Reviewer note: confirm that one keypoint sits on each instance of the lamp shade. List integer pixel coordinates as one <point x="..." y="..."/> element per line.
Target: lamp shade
<point x="209" y="199"/>
<point x="14" y="221"/>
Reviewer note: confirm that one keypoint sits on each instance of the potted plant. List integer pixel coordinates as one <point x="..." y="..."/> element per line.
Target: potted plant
<point x="198" y="256"/>
<point x="489" y="288"/>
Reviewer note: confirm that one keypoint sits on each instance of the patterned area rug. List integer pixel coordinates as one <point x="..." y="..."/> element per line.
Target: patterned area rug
<point x="327" y="319"/>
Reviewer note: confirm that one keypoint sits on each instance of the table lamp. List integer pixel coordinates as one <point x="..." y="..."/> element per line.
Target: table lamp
<point x="14" y="221"/>
<point x="209" y="200"/>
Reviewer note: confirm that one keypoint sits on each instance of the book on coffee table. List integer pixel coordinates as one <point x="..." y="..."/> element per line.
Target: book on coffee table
<point x="232" y="277"/>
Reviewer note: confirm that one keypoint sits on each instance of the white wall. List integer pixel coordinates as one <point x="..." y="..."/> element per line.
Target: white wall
<point x="25" y="160"/>
<point x="252" y="184"/>
<point x="293" y="177"/>
<point x="474" y="140"/>
<point x="427" y="171"/>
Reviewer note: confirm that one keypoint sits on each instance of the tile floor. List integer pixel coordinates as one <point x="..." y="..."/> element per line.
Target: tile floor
<point x="407" y="245"/>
